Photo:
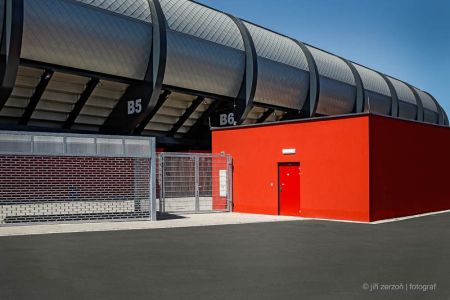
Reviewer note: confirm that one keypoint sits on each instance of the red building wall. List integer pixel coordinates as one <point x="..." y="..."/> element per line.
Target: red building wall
<point x="409" y="168"/>
<point x="333" y="156"/>
<point x="406" y="163"/>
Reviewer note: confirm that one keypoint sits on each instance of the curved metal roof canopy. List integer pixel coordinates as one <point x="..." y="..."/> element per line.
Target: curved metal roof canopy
<point x="166" y="67"/>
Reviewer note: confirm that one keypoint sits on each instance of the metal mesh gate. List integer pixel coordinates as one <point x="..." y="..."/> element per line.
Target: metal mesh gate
<point x="59" y="178"/>
<point x="194" y="183"/>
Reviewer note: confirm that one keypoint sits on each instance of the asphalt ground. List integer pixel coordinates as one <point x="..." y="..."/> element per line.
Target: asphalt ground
<point x="286" y="260"/>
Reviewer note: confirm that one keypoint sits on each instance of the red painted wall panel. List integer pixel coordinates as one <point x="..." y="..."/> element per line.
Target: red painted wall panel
<point x="333" y="156"/>
<point x="409" y="168"/>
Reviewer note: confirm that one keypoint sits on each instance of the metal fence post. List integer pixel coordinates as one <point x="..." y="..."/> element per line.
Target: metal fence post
<point x="153" y="179"/>
<point x="32" y="145"/>
<point x="197" y="184"/>
<point x="65" y="144"/>
<point x="230" y="183"/>
<point x="136" y="196"/>
<point x="162" y="199"/>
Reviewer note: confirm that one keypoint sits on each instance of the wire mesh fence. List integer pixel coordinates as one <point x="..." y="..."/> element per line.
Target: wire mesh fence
<point x="194" y="183"/>
<point x="56" y="178"/>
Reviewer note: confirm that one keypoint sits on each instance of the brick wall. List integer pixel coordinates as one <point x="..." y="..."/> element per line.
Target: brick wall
<point x="67" y="179"/>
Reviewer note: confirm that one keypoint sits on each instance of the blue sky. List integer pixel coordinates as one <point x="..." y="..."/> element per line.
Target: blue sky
<point x="408" y="39"/>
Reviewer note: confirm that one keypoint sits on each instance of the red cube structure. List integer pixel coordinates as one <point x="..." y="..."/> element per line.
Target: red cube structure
<point x="359" y="167"/>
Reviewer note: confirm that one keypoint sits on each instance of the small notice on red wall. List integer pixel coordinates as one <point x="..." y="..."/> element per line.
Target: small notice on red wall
<point x="222" y="183"/>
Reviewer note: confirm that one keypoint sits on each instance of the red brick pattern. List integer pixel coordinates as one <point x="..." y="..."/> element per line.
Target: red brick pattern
<point x="89" y="185"/>
<point x="58" y="178"/>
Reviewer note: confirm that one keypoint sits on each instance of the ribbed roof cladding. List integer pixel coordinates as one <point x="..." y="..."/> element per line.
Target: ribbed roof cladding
<point x="136" y="9"/>
<point x="404" y="93"/>
<point x="373" y="81"/>
<point x="202" y="22"/>
<point x="332" y="66"/>
<point x="427" y="102"/>
<point x="277" y="47"/>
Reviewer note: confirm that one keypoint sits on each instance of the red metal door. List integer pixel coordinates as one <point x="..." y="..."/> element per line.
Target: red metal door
<point x="289" y="189"/>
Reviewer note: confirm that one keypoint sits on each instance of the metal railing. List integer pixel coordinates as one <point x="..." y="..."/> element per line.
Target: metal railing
<point x="194" y="183"/>
<point x="53" y="177"/>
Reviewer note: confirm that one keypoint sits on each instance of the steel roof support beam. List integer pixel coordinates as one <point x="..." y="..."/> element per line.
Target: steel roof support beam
<point x="244" y="100"/>
<point x="440" y="110"/>
<point x="90" y="87"/>
<point x="310" y="105"/>
<point x="140" y="99"/>
<point x="10" y="47"/>
<point x="394" y="97"/>
<point x="265" y="115"/>
<point x="34" y="100"/>
<point x="189" y="111"/>
<point x="202" y="120"/>
<point x="419" y="115"/>
<point x="76" y="71"/>
<point x="161" y="100"/>
<point x="359" y="101"/>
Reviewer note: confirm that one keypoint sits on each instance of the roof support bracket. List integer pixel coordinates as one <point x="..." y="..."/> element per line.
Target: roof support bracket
<point x="11" y="43"/>
<point x="310" y="105"/>
<point x="359" y="101"/>
<point x="446" y="123"/>
<point x="244" y="100"/>
<point x="161" y="100"/>
<point x="440" y="110"/>
<point x="90" y="87"/>
<point x="265" y="116"/>
<point x="197" y="128"/>
<point x="140" y="99"/>
<point x="34" y="100"/>
<point x="394" y="97"/>
<point x="188" y="112"/>
<point x="419" y="115"/>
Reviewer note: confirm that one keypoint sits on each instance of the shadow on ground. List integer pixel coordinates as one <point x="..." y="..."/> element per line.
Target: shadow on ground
<point x="168" y="216"/>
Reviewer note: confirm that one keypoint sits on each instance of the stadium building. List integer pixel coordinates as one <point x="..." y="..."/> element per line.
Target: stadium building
<point x="173" y="69"/>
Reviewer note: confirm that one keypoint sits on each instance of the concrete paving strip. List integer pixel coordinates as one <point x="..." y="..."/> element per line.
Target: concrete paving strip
<point x="410" y="217"/>
<point x="192" y="220"/>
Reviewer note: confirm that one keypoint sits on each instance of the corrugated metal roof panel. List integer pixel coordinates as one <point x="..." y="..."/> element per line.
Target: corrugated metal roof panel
<point x="373" y="81"/>
<point x="277" y="47"/>
<point x="202" y="22"/>
<point x="332" y="66"/>
<point x="404" y="93"/>
<point x="136" y="9"/>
